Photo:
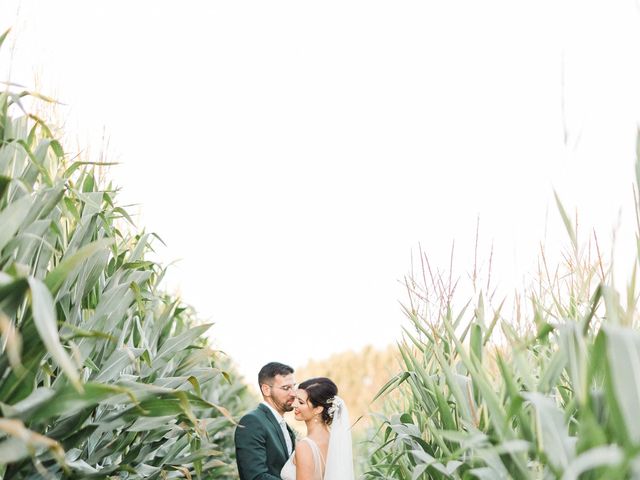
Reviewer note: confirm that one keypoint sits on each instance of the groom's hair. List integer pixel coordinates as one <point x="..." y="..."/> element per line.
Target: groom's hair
<point x="270" y="370"/>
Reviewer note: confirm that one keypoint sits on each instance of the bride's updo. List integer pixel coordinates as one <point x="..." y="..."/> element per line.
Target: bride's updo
<point x="321" y="392"/>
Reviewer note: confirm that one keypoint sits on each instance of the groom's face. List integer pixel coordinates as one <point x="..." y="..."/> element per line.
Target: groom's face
<point x="281" y="392"/>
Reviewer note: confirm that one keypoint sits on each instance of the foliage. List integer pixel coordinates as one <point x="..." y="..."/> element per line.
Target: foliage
<point x="101" y="373"/>
<point x="550" y="390"/>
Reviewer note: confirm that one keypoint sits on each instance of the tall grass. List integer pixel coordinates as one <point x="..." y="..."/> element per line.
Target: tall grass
<point x="101" y="373"/>
<point x="548" y="389"/>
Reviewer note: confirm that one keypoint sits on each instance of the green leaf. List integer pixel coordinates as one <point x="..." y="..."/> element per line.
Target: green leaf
<point x="58" y="275"/>
<point x="68" y="401"/>
<point x="609" y="455"/>
<point x="57" y="148"/>
<point x="392" y="384"/>
<point x="38" y="397"/>
<point x="4" y="36"/>
<point x="553" y="436"/>
<point x="11" y="218"/>
<point x="143" y="424"/>
<point x="573" y="344"/>
<point x="4" y="185"/>
<point x="89" y="183"/>
<point x="476" y="342"/>
<point x="44" y="317"/>
<point x="180" y="342"/>
<point x="623" y="354"/>
<point x="119" y="359"/>
<point x="12" y="450"/>
<point x="567" y="223"/>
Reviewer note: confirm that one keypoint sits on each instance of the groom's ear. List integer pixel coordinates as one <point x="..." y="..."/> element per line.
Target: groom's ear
<point x="264" y="389"/>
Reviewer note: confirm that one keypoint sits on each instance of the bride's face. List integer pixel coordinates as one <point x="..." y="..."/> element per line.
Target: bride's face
<point x="302" y="407"/>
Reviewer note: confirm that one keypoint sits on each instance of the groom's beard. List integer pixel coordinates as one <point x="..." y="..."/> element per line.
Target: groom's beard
<point x="287" y="405"/>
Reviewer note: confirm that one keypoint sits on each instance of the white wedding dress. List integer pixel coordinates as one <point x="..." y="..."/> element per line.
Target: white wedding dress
<point x="288" y="472"/>
<point x="339" y="461"/>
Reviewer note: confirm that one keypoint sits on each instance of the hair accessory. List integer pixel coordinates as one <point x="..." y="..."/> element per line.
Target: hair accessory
<point x="336" y="405"/>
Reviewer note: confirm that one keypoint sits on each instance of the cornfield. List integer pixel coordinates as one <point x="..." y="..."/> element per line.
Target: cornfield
<point x="102" y="374"/>
<point x="548" y="389"/>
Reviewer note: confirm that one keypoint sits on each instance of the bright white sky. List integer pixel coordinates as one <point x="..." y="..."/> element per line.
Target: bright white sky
<point x="293" y="154"/>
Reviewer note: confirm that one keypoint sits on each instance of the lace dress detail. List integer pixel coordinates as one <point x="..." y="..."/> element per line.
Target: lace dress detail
<point x="288" y="472"/>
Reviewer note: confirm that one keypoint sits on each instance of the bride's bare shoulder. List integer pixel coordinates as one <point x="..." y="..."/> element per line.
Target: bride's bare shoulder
<point x="304" y="453"/>
<point x="303" y="449"/>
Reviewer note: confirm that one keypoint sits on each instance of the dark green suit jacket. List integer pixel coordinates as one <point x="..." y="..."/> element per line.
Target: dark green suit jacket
<point x="261" y="451"/>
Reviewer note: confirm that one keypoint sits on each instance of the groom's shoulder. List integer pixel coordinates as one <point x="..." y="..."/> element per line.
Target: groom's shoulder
<point x="257" y="414"/>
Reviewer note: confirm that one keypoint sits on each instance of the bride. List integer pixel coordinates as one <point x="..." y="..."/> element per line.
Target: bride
<point x="326" y="452"/>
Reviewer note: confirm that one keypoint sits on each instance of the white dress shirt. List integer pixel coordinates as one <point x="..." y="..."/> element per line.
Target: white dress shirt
<point x="283" y="425"/>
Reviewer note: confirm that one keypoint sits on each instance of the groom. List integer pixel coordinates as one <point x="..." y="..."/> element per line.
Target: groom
<point x="264" y="441"/>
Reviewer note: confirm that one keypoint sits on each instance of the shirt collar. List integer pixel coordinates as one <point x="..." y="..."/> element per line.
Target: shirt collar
<point x="279" y="418"/>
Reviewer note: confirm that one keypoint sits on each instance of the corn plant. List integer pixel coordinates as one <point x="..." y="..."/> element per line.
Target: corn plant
<point x="102" y="375"/>
<point x="548" y="387"/>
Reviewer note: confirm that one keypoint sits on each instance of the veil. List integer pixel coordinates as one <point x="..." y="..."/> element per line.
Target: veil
<point x="339" y="464"/>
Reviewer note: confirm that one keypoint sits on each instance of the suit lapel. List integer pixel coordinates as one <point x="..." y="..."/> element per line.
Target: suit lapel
<point x="274" y="423"/>
<point x="293" y="437"/>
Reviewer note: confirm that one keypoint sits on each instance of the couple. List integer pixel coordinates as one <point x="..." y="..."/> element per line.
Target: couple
<point x="265" y="445"/>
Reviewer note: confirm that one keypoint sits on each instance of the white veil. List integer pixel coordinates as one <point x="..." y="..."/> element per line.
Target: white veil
<point x="340" y="454"/>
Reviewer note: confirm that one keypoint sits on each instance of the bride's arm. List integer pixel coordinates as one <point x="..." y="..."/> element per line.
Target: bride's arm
<point x="304" y="462"/>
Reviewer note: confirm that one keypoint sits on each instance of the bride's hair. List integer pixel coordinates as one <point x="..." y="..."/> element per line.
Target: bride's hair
<point x="321" y="392"/>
